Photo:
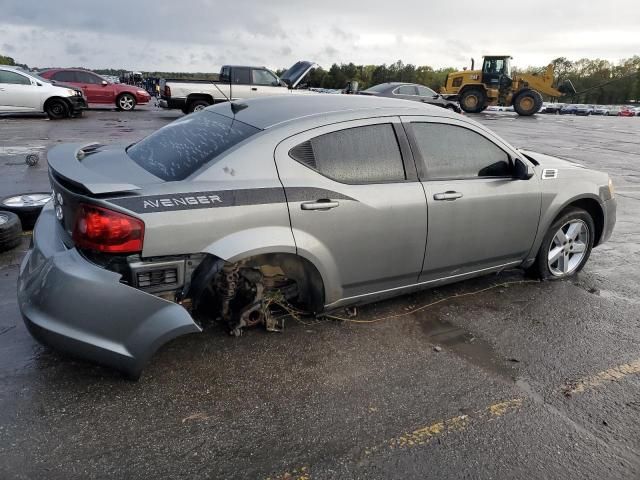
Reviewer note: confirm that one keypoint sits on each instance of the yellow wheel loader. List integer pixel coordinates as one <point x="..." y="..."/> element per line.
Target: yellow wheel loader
<point x="475" y="90"/>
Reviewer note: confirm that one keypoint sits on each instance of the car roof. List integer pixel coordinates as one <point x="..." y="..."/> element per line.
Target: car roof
<point x="268" y="112"/>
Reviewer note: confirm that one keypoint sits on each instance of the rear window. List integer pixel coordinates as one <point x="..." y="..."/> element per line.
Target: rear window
<point x="179" y="149"/>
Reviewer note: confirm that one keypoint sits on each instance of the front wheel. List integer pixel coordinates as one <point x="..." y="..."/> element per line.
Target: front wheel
<point x="57" y="109"/>
<point x="527" y="103"/>
<point x="126" y="102"/>
<point x="472" y="100"/>
<point x="567" y="245"/>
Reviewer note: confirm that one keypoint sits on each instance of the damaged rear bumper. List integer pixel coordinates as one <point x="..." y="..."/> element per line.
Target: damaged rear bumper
<point x="77" y="307"/>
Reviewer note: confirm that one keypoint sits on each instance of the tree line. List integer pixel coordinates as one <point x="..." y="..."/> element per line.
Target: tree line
<point x="596" y="81"/>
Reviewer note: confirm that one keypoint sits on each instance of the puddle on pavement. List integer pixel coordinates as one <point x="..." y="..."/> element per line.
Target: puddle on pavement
<point x="469" y="347"/>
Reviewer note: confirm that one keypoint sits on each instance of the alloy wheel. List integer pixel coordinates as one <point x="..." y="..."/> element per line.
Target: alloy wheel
<point x="568" y="248"/>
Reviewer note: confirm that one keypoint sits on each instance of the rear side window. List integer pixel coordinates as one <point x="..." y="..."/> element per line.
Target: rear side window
<point x="450" y="151"/>
<point x="68" y="76"/>
<point x="367" y="154"/>
<point x="179" y="149"/>
<point x="407" y="90"/>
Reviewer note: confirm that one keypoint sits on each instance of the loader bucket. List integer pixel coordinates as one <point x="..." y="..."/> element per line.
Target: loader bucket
<point x="567" y="88"/>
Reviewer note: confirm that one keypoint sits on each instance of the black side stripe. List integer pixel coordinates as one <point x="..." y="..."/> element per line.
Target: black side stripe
<point x="222" y="198"/>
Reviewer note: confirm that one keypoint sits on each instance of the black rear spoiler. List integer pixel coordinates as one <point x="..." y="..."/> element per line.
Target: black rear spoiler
<point x="66" y="162"/>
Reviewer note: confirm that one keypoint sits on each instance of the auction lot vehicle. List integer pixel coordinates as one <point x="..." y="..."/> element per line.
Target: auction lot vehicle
<point x="314" y="202"/>
<point x="585" y="110"/>
<point x="23" y="92"/>
<point x="494" y="85"/>
<point x="601" y="110"/>
<point x="236" y="83"/>
<point x="411" y="91"/>
<point x="553" y="108"/>
<point x="98" y="89"/>
<point x="569" y="109"/>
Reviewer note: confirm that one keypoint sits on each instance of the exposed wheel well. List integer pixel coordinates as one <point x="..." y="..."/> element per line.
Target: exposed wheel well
<point x="593" y="208"/>
<point x="302" y="271"/>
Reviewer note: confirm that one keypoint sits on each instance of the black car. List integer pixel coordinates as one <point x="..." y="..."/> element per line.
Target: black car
<point x="411" y="91"/>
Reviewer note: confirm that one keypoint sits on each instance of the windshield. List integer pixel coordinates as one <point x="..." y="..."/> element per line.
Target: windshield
<point x="179" y="149"/>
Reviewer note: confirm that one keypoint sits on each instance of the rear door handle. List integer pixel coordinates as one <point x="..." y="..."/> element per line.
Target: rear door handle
<point x="324" y="204"/>
<point x="450" y="195"/>
<point x="254" y="89"/>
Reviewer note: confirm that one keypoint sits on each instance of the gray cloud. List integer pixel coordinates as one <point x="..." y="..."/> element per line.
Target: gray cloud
<point x="200" y="35"/>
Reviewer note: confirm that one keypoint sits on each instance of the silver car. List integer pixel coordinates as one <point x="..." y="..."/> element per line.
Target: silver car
<point x="308" y="202"/>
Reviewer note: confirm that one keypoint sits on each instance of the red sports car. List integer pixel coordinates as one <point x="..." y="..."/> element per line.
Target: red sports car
<point x="99" y="90"/>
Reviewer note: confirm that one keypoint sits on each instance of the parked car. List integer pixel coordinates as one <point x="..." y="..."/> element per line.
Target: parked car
<point x="601" y="110"/>
<point x="569" y="109"/>
<point x="626" y="112"/>
<point x="584" y="110"/>
<point x="615" y="110"/>
<point x="316" y="201"/>
<point x="411" y="91"/>
<point x="99" y="90"/>
<point x="237" y="82"/>
<point x="553" y="108"/>
<point x="25" y="92"/>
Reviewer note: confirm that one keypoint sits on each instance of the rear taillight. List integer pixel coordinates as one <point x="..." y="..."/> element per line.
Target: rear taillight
<point x="167" y="91"/>
<point x="104" y="230"/>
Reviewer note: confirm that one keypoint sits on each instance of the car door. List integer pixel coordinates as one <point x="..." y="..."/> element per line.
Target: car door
<point x="240" y="83"/>
<point x="93" y="89"/>
<point x="264" y="83"/>
<point x="480" y="217"/>
<point x="426" y="95"/>
<point x="18" y="93"/>
<point x="357" y="209"/>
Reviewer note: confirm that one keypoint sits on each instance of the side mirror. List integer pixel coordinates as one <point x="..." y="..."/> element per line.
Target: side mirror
<point x="104" y="83"/>
<point x="522" y="171"/>
<point x="436" y="96"/>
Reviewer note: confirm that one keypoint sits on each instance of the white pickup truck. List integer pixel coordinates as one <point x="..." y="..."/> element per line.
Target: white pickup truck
<point x="236" y="82"/>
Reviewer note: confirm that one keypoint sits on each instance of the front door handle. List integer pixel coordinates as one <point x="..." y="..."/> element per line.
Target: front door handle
<point x="254" y="89"/>
<point x="450" y="195"/>
<point x="324" y="204"/>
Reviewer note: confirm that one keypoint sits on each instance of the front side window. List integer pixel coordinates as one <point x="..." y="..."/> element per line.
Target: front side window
<point x="13" y="78"/>
<point x="368" y="154"/>
<point x="262" y="77"/>
<point x="241" y="76"/>
<point x="450" y="151"/>
<point x="426" y="92"/>
<point x="179" y="149"/>
<point x="407" y="90"/>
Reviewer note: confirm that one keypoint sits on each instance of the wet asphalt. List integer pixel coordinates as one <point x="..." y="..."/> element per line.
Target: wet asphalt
<point x="521" y="380"/>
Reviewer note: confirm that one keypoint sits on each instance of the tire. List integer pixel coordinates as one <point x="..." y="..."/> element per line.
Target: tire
<point x="57" y="109"/>
<point x="527" y="102"/>
<point x="582" y="224"/>
<point x="126" y="102"/>
<point x="10" y="231"/>
<point x="27" y="206"/>
<point x="472" y="100"/>
<point x="197" y="105"/>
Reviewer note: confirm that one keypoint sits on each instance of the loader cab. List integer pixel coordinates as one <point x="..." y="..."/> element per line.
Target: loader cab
<point x="496" y="71"/>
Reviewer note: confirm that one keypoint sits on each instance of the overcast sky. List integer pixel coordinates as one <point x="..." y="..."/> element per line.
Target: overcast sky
<point x="201" y="35"/>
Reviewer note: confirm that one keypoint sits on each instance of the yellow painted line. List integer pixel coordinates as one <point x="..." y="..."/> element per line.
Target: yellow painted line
<point x="611" y="375"/>
<point x="423" y="435"/>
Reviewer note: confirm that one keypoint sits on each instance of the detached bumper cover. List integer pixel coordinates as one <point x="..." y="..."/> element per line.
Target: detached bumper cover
<point x="77" y="307"/>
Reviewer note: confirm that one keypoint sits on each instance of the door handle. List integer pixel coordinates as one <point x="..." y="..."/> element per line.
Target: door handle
<point x="450" y="195"/>
<point x="254" y="89"/>
<point x="323" y="204"/>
